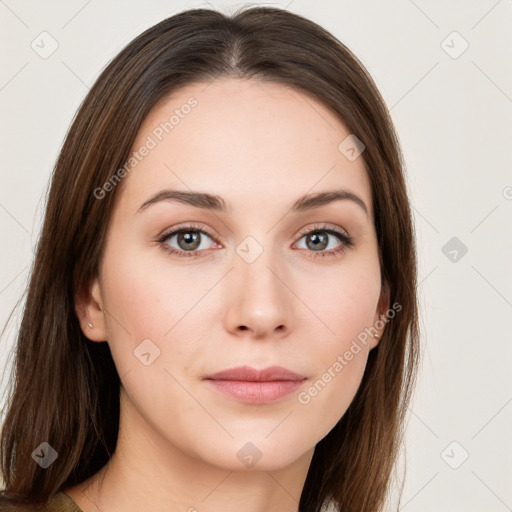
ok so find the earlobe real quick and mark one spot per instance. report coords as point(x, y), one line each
point(90, 313)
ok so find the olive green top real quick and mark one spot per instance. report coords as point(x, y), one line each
point(61, 502)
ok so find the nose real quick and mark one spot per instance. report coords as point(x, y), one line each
point(259, 301)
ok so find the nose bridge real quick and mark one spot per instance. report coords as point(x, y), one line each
point(256, 266)
point(258, 299)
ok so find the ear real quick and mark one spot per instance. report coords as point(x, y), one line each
point(91, 313)
point(379, 320)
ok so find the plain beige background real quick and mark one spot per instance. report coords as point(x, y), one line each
point(445, 71)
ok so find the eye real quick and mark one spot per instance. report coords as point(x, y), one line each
point(317, 240)
point(189, 241)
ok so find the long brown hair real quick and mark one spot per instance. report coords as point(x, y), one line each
point(65, 389)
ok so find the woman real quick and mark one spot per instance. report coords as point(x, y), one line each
point(222, 310)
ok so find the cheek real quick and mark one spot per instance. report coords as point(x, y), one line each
point(155, 334)
point(327, 397)
point(346, 304)
point(149, 298)
point(342, 301)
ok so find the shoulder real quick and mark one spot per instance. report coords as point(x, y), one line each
point(61, 502)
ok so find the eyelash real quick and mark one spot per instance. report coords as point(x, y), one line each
point(347, 241)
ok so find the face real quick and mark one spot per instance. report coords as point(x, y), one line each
point(254, 278)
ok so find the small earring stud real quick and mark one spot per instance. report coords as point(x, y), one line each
point(89, 325)
point(375, 335)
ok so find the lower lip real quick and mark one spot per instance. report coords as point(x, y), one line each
point(261, 392)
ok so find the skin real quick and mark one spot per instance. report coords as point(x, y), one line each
point(259, 146)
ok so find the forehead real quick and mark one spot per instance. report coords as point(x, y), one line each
point(245, 140)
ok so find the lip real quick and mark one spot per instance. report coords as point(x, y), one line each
point(247, 373)
point(252, 386)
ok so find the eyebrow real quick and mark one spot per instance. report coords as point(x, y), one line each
point(216, 203)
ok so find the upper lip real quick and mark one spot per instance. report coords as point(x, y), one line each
point(247, 373)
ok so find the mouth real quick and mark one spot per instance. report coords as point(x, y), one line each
point(251, 386)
